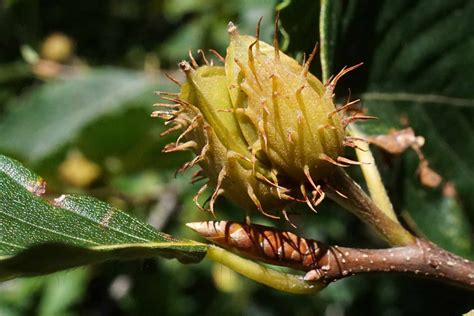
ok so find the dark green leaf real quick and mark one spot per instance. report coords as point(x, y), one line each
point(440, 218)
point(413, 76)
point(37, 236)
point(423, 79)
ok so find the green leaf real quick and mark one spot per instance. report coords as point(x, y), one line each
point(38, 237)
point(416, 76)
point(301, 26)
point(410, 74)
point(440, 218)
point(41, 122)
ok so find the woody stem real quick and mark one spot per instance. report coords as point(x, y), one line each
point(324, 263)
point(422, 258)
point(351, 196)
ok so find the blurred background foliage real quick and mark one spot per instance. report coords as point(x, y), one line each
point(76, 89)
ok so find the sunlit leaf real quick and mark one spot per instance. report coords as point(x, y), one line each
point(38, 236)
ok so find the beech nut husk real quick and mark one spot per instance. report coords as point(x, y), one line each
point(265, 131)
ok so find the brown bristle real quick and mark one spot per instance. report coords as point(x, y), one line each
point(219, 56)
point(170, 77)
point(200, 51)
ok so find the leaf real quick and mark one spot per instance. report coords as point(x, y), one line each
point(414, 78)
point(410, 75)
point(440, 217)
point(297, 23)
point(430, 74)
point(40, 123)
point(38, 237)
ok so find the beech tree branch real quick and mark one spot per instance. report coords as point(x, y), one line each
point(422, 259)
point(324, 263)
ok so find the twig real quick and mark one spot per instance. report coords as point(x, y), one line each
point(423, 259)
point(355, 200)
point(325, 264)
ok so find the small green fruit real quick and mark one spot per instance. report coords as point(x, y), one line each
point(265, 131)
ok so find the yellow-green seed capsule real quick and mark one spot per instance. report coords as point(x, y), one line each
point(284, 111)
point(214, 135)
point(264, 130)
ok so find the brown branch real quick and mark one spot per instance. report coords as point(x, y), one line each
point(330, 263)
point(423, 259)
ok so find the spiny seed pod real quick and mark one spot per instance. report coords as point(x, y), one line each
point(264, 130)
point(283, 111)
